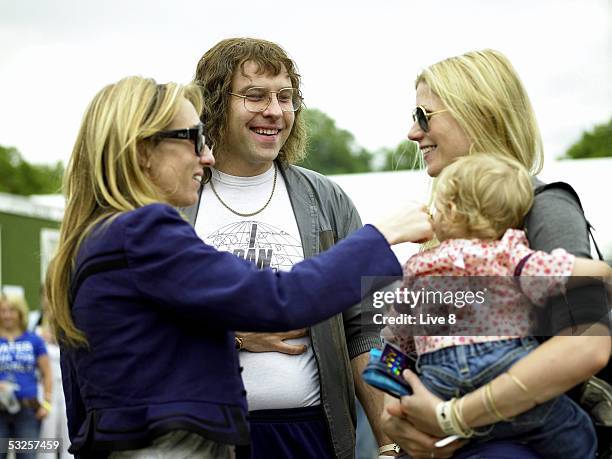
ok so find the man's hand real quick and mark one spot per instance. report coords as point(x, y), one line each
point(273, 342)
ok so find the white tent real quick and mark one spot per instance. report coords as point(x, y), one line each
point(377, 194)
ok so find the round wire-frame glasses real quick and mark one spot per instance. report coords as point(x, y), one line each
point(258, 99)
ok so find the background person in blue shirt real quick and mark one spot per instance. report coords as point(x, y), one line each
point(22, 353)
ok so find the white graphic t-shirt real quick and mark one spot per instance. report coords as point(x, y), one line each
point(270, 239)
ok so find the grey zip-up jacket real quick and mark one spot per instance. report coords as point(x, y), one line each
point(324, 215)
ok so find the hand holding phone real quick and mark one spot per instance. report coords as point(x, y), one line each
point(384, 371)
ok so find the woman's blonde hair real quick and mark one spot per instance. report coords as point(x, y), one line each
point(483, 92)
point(19, 304)
point(482, 195)
point(105, 175)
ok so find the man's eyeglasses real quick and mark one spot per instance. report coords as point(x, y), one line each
point(195, 134)
point(258, 99)
point(422, 116)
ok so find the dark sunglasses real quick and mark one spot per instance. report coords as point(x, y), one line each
point(195, 134)
point(422, 116)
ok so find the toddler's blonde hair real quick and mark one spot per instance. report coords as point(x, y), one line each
point(482, 195)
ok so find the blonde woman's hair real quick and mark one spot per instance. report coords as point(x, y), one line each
point(482, 195)
point(483, 92)
point(19, 304)
point(105, 175)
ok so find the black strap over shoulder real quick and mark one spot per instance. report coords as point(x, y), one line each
point(567, 187)
point(603, 431)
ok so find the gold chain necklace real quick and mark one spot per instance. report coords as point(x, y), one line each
point(250, 214)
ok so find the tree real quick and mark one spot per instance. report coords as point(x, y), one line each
point(332, 150)
point(17, 176)
point(405, 156)
point(596, 143)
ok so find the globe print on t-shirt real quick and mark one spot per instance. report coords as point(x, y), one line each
point(263, 244)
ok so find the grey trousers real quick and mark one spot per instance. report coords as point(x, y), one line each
point(179, 444)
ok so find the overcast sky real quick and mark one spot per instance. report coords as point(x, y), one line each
point(358, 59)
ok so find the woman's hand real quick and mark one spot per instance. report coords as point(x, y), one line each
point(420, 407)
point(417, 444)
point(412, 423)
point(411, 224)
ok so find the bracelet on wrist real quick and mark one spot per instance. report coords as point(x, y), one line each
point(463, 430)
point(459, 415)
point(489, 394)
point(444, 417)
point(519, 383)
point(451, 421)
point(239, 343)
point(46, 405)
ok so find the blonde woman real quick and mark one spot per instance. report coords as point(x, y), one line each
point(22, 355)
point(144, 310)
point(481, 202)
point(476, 103)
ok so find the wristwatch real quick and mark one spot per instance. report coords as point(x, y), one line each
point(238, 343)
